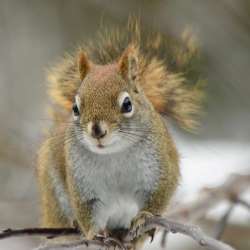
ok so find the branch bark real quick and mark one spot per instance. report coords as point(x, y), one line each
point(46, 232)
point(153, 223)
point(209, 197)
point(189, 230)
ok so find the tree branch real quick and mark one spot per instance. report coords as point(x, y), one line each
point(230, 190)
point(153, 223)
point(74, 245)
point(175, 227)
point(244, 204)
point(47, 232)
point(208, 198)
point(164, 239)
point(220, 227)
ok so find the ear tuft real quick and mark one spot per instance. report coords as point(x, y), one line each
point(83, 65)
point(128, 64)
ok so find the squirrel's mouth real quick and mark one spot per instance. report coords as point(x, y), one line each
point(107, 145)
point(100, 145)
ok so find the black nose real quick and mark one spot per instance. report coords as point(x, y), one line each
point(97, 131)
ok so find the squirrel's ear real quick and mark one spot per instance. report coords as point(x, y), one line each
point(128, 63)
point(83, 65)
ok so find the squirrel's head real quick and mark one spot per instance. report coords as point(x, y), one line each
point(109, 105)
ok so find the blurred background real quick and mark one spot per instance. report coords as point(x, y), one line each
point(34, 34)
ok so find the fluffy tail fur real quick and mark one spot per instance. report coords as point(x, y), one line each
point(169, 71)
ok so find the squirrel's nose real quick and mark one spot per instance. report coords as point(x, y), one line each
point(98, 131)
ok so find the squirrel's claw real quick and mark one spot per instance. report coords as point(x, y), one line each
point(113, 242)
point(102, 235)
point(105, 237)
point(151, 234)
point(139, 221)
point(75, 225)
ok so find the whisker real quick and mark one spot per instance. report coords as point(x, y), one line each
point(133, 135)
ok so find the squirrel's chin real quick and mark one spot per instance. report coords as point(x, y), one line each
point(103, 149)
point(110, 148)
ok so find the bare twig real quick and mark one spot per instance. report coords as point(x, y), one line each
point(152, 223)
point(208, 198)
point(164, 239)
point(47, 232)
point(219, 230)
point(174, 227)
point(74, 245)
point(230, 190)
point(234, 186)
point(244, 203)
point(220, 227)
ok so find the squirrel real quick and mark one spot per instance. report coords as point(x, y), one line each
point(109, 160)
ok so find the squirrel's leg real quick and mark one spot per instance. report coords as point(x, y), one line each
point(55, 206)
point(52, 215)
point(155, 206)
point(136, 224)
point(81, 211)
point(137, 244)
point(83, 216)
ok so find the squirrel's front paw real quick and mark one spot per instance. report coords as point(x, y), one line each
point(102, 234)
point(139, 221)
point(106, 237)
point(75, 225)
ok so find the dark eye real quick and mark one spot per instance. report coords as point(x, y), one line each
point(126, 105)
point(75, 110)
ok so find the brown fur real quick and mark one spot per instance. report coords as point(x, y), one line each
point(165, 70)
point(169, 71)
point(51, 214)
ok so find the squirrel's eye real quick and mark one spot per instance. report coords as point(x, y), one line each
point(125, 104)
point(76, 107)
point(75, 110)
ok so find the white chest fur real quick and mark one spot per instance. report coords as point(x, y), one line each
point(118, 185)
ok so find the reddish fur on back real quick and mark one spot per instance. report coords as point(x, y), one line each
point(169, 71)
